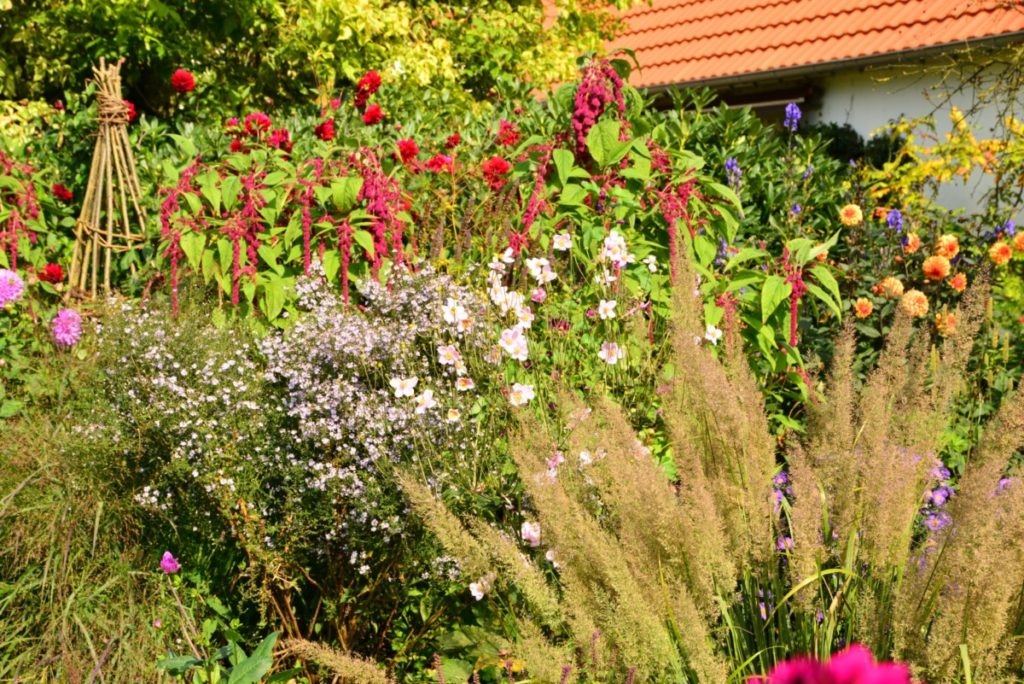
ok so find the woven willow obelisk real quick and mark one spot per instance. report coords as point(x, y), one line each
point(111, 207)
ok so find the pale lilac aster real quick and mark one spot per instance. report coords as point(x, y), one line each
point(11, 287)
point(531, 533)
point(67, 327)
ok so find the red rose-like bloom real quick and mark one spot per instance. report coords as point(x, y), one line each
point(281, 139)
point(256, 123)
point(441, 163)
point(183, 81)
point(508, 134)
point(373, 115)
point(408, 149)
point(131, 110)
point(452, 142)
point(494, 170)
point(51, 273)
point(369, 83)
point(237, 146)
point(325, 131)
point(62, 193)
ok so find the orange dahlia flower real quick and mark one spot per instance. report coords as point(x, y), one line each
point(1000, 253)
point(914, 303)
point(912, 243)
point(958, 282)
point(890, 287)
point(863, 307)
point(948, 246)
point(945, 324)
point(851, 215)
point(936, 268)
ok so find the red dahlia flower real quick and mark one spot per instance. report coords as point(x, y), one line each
point(373, 115)
point(325, 131)
point(369, 83)
point(453, 141)
point(62, 193)
point(508, 134)
point(257, 123)
point(408, 149)
point(281, 139)
point(441, 163)
point(183, 81)
point(131, 110)
point(51, 273)
point(494, 170)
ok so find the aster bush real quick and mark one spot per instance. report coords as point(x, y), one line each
point(276, 455)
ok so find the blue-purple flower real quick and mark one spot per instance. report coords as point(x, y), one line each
point(894, 219)
point(792, 119)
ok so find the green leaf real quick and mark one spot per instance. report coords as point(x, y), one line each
point(456, 670)
point(825, 277)
point(725, 192)
point(745, 254)
point(825, 297)
point(572, 195)
point(273, 297)
point(230, 188)
point(193, 243)
point(773, 292)
point(178, 665)
point(269, 254)
point(10, 407)
point(604, 145)
point(345, 193)
point(705, 248)
point(252, 669)
point(564, 161)
point(364, 240)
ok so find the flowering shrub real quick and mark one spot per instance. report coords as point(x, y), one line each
point(284, 447)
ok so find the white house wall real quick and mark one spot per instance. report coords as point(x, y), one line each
point(868, 100)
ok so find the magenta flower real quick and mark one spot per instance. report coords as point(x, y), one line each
point(67, 328)
point(169, 564)
point(854, 665)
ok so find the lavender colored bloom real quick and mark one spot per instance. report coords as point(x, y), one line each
point(169, 564)
point(784, 544)
point(733, 171)
point(764, 611)
point(937, 521)
point(1010, 228)
point(796, 209)
point(67, 327)
point(895, 220)
point(809, 171)
point(793, 115)
point(780, 479)
point(11, 287)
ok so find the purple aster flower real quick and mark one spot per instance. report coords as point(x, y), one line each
point(937, 521)
point(780, 479)
point(764, 611)
point(895, 220)
point(1010, 228)
point(777, 499)
point(169, 564)
point(67, 328)
point(784, 544)
point(792, 119)
point(11, 287)
point(796, 209)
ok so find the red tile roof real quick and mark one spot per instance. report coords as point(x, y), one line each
point(703, 41)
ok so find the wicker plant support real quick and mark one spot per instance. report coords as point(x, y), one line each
point(111, 209)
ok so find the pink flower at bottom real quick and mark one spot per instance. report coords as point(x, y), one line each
point(169, 564)
point(854, 665)
point(67, 328)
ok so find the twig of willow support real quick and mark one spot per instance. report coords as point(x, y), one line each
point(111, 208)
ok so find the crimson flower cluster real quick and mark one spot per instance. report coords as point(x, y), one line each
point(255, 127)
point(600, 86)
point(183, 81)
point(494, 170)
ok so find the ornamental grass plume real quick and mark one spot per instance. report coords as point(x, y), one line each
point(344, 667)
